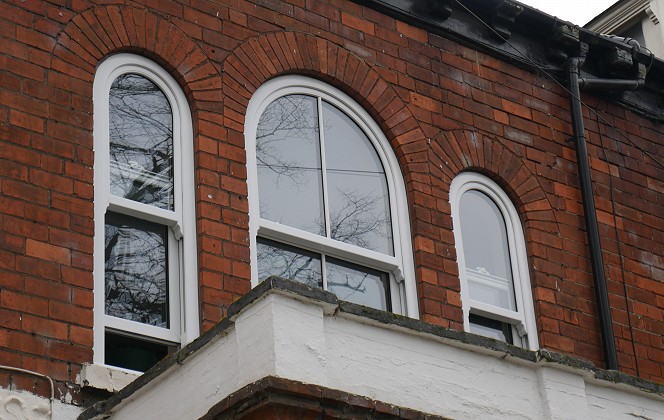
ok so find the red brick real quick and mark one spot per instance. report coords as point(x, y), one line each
point(412, 32)
point(80, 335)
point(47, 289)
point(358, 23)
point(10, 319)
point(45, 327)
point(26, 121)
point(47, 251)
point(12, 242)
point(70, 313)
point(77, 277)
point(26, 343)
point(35, 39)
point(23, 303)
point(83, 298)
point(69, 352)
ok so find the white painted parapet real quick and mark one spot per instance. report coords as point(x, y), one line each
point(288, 331)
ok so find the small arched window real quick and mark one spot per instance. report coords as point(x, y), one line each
point(146, 300)
point(327, 200)
point(495, 284)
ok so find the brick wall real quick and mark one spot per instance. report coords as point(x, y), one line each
point(444, 107)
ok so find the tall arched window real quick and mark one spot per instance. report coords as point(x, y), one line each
point(493, 267)
point(327, 200)
point(146, 299)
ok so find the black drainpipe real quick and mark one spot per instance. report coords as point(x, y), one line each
point(599, 278)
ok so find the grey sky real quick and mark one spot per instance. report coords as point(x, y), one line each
point(576, 11)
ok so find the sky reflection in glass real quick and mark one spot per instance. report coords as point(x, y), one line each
point(357, 187)
point(486, 250)
point(289, 168)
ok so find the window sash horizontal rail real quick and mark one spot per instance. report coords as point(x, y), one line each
point(495, 312)
point(340, 250)
point(142, 211)
point(167, 334)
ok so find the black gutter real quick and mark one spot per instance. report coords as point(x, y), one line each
point(590, 215)
point(610, 84)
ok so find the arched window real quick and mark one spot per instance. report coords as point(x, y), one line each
point(327, 200)
point(493, 268)
point(146, 299)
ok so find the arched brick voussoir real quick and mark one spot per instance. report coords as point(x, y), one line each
point(460, 150)
point(103, 30)
point(266, 56)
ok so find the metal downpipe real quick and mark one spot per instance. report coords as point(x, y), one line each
point(590, 216)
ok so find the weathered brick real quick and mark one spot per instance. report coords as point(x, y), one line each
point(444, 107)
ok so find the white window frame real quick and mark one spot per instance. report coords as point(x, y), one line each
point(182, 256)
point(524, 327)
point(400, 267)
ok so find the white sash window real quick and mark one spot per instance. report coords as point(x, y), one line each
point(327, 199)
point(493, 267)
point(146, 300)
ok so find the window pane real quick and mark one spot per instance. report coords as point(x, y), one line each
point(141, 142)
point(136, 270)
point(486, 251)
point(134, 353)
point(491, 328)
point(357, 284)
point(289, 169)
point(357, 186)
point(288, 262)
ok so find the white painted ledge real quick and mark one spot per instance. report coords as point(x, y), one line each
point(106, 378)
point(281, 333)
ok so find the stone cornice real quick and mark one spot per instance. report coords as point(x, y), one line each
point(617, 16)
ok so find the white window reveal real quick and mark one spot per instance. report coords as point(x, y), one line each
point(327, 199)
point(146, 300)
point(495, 284)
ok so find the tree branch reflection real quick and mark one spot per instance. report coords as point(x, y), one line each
point(136, 270)
point(291, 179)
point(141, 141)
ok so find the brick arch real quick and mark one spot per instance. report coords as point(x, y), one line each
point(461, 150)
point(269, 55)
point(97, 32)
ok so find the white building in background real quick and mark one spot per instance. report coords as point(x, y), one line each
point(638, 19)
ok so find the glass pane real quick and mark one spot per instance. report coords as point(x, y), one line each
point(136, 270)
point(134, 353)
point(486, 251)
point(357, 284)
point(141, 142)
point(289, 169)
point(490, 328)
point(284, 261)
point(357, 187)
